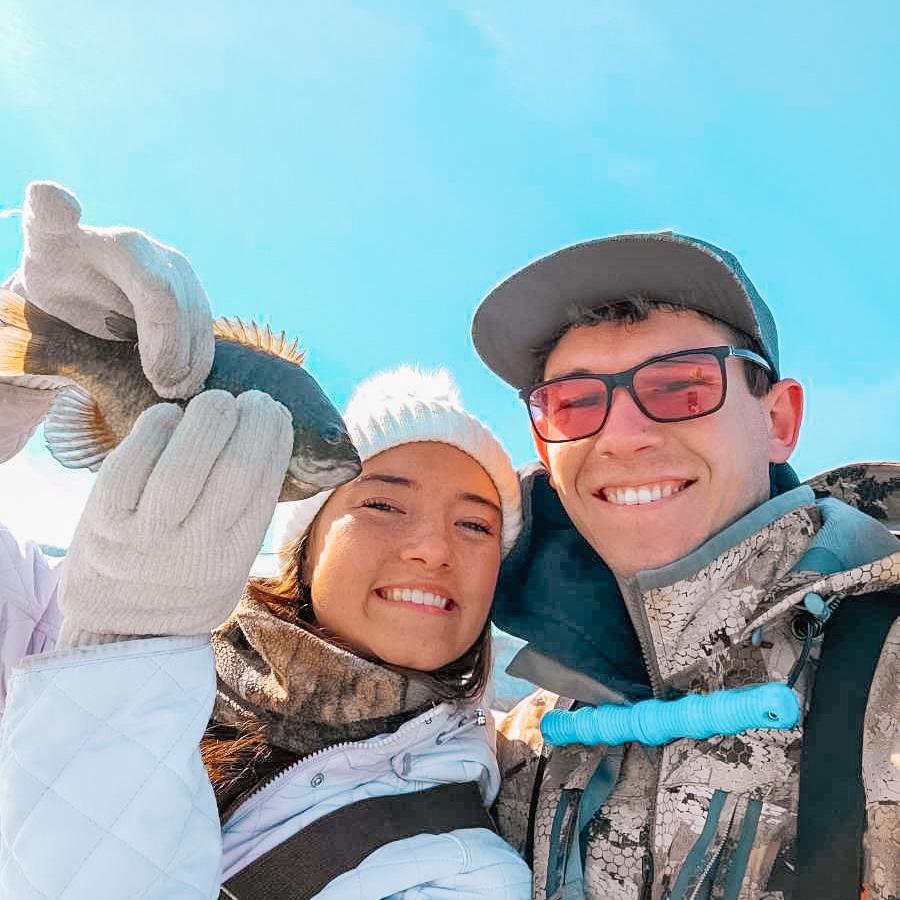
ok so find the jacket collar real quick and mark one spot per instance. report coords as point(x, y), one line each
point(305, 692)
point(698, 606)
point(673, 615)
point(555, 592)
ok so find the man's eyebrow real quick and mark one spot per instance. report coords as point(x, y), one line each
point(388, 479)
point(579, 371)
point(477, 498)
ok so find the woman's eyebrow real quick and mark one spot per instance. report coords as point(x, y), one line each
point(410, 483)
point(477, 498)
point(388, 479)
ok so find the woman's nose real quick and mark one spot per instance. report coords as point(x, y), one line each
point(429, 543)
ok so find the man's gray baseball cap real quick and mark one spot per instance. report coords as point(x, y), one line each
point(524, 312)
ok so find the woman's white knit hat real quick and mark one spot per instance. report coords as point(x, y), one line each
point(403, 406)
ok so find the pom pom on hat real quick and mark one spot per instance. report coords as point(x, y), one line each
point(405, 384)
point(403, 406)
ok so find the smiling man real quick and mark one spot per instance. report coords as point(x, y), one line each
point(643, 491)
point(669, 550)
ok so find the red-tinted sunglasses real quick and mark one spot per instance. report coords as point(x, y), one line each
point(674, 387)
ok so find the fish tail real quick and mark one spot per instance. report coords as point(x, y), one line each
point(29, 337)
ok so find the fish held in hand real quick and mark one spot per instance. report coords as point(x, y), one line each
point(106, 389)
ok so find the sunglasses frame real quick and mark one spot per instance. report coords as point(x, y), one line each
point(626, 380)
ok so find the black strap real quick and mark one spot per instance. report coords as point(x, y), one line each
point(301, 866)
point(832, 811)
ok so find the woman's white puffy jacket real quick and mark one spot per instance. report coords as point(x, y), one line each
point(103, 793)
point(29, 616)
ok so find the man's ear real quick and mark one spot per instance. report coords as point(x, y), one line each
point(541, 447)
point(784, 411)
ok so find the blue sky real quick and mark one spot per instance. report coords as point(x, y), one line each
point(361, 174)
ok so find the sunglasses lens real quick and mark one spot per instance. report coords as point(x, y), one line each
point(568, 410)
point(681, 387)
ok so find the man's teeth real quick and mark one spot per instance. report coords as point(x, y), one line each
point(408, 595)
point(646, 493)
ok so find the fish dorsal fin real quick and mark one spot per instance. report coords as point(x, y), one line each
point(251, 335)
point(78, 435)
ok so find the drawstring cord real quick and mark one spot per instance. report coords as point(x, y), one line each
point(808, 625)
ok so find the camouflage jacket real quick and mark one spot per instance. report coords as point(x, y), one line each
point(714, 818)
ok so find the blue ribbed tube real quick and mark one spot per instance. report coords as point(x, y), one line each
point(657, 722)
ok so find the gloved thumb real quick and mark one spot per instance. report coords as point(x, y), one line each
point(49, 209)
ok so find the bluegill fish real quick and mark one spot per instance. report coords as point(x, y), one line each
point(106, 389)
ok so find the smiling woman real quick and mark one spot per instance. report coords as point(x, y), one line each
point(353, 677)
point(402, 562)
point(386, 586)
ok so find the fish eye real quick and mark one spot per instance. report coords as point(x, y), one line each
point(332, 434)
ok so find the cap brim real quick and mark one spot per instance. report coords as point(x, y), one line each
point(526, 310)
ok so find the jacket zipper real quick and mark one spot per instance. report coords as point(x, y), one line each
point(631, 596)
point(647, 865)
point(714, 858)
point(638, 615)
point(477, 718)
point(708, 868)
point(647, 874)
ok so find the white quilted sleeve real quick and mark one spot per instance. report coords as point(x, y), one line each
point(467, 864)
point(29, 615)
point(102, 791)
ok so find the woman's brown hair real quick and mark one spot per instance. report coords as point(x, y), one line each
point(233, 756)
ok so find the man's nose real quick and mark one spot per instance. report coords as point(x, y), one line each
point(429, 543)
point(627, 429)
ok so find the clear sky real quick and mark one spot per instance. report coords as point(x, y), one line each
point(361, 174)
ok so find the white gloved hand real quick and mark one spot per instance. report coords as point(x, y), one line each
point(175, 520)
point(81, 275)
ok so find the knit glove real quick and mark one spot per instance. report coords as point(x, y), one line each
point(81, 275)
point(175, 519)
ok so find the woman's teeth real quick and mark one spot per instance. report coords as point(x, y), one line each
point(408, 595)
point(646, 493)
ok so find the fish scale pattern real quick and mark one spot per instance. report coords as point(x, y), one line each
point(108, 837)
point(700, 631)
